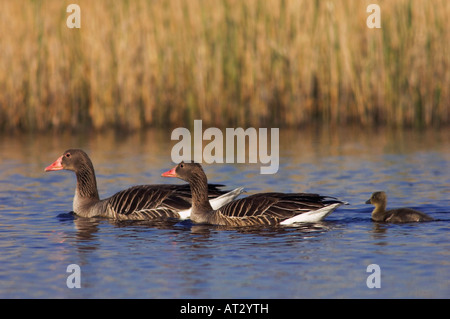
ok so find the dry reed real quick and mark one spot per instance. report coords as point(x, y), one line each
point(136, 64)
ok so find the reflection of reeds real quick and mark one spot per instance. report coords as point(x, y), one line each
point(256, 62)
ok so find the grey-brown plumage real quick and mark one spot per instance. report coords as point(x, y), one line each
point(398, 215)
point(258, 209)
point(143, 202)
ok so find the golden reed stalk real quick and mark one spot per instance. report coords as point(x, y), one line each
point(136, 64)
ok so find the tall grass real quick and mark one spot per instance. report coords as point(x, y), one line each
point(135, 64)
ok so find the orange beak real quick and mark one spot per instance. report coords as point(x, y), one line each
point(170, 173)
point(56, 166)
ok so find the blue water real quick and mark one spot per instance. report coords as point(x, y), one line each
point(39, 237)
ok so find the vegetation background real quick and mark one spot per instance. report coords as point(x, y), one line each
point(138, 64)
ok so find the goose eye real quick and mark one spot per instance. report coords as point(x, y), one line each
point(181, 165)
point(68, 155)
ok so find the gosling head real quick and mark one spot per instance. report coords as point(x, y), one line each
point(377, 198)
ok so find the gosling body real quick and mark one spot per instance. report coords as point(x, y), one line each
point(398, 215)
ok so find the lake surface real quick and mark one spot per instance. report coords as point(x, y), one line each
point(39, 238)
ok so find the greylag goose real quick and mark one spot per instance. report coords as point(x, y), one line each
point(143, 202)
point(398, 215)
point(258, 209)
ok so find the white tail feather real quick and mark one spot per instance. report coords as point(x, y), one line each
point(216, 203)
point(312, 216)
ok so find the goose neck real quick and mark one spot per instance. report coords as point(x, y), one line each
point(86, 183)
point(199, 190)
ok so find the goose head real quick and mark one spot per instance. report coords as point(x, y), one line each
point(72, 160)
point(186, 171)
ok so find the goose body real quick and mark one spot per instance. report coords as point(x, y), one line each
point(258, 209)
point(398, 215)
point(142, 202)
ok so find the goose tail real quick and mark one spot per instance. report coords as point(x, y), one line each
point(217, 202)
point(312, 216)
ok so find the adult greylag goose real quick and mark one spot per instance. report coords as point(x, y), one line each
point(398, 215)
point(257, 209)
point(143, 202)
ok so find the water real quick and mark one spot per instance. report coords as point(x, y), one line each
point(39, 237)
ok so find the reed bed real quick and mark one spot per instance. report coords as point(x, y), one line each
point(136, 64)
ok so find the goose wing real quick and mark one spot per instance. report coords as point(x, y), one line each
point(275, 205)
point(147, 197)
point(155, 201)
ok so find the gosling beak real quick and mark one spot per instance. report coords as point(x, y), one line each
point(368, 201)
point(56, 166)
point(170, 173)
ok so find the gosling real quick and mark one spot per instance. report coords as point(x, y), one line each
point(399, 215)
